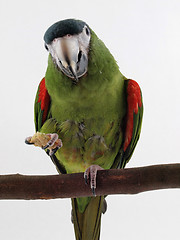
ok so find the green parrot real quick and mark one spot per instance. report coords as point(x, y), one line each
point(87, 114)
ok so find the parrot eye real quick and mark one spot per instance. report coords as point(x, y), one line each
point(87, 31)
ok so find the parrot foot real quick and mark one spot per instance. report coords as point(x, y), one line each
point(49, 141)
point(91, 174)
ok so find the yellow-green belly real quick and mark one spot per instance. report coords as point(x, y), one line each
point(84, 146)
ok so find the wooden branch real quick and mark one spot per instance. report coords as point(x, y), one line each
point(126, 181)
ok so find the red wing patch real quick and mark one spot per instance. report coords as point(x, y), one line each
point(43, 99)
point(134, 102)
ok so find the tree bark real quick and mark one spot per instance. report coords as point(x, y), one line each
point(123, 181)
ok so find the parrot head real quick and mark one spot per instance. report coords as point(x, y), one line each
point(68, 44)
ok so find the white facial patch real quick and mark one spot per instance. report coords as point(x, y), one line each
point(70, 53)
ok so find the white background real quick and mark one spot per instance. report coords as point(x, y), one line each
point(144, 37)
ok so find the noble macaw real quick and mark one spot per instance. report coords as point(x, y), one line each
point(87, 114)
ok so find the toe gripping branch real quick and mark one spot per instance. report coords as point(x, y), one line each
point(90, 176)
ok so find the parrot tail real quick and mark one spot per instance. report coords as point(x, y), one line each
point(87, 224)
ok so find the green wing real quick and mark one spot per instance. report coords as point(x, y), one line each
point(43, 120)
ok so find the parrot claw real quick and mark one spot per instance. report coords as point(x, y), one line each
point(45, 147)
point(50, 141)
point(53, 151)
point(93, 191)
point(86, 178)
point(91, 174)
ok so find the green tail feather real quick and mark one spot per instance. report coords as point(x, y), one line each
point(87, 224)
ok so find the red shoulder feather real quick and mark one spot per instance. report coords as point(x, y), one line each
point(43, 99)
point(134, 102)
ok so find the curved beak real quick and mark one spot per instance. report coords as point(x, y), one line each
point(69, 56)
